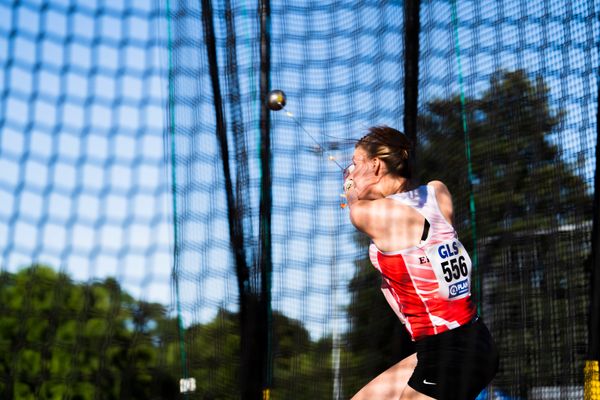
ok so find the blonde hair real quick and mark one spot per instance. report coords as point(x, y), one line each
point(391, 146)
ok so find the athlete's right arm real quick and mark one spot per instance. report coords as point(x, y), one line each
point(371, 216)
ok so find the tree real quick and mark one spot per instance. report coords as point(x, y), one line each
point(298, 360)
point(213, 353)
point(517, 166)
point(62, 339)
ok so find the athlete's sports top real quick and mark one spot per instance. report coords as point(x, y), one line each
point(428, 285)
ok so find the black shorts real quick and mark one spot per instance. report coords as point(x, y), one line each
point(456, 364)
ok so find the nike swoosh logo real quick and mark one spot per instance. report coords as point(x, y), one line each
point(428, 383)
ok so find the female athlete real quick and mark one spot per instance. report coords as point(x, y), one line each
point(425, 274)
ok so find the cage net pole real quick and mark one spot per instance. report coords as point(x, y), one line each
point(467, 144)
point(176, 243)
point(412, 28)
point(265, 212)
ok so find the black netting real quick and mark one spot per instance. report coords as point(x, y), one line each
point(158, 223)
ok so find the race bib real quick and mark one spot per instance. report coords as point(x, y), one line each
point(452, 267)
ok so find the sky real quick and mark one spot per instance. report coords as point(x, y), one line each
point(85, 183)
point(84, 186)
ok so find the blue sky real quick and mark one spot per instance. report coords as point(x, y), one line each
point(84, 187)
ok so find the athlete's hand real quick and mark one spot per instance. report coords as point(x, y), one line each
point(348, 184)
point(361, 184)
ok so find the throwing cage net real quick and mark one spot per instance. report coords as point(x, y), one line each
point(158, 223)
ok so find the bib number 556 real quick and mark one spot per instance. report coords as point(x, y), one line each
point(455, 268)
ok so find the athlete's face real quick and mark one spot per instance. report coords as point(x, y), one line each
point(362, 173)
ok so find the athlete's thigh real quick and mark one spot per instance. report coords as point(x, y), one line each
point(411, 394)
point(389, 384)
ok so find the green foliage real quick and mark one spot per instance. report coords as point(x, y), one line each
point(65, 340)
point(214, 354)
point(298, 361)
point(82, 341)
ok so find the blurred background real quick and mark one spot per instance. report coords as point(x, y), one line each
point(158, 222)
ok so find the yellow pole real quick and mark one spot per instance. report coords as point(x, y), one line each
point(591, 387)
point(267, 392)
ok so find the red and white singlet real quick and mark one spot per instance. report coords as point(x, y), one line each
point(428, 285)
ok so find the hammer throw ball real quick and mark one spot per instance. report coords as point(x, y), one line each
point(276, 100)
